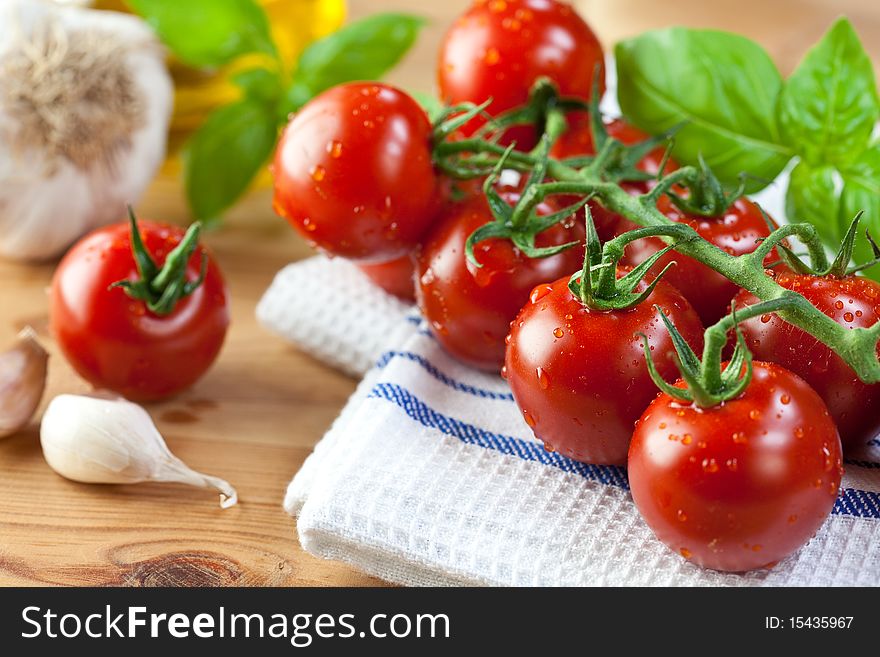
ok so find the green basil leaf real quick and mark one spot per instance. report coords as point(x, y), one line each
point(861, 192)
point(364, 50)
point(259, 84)
point(829, 105)
point(812, 197)
point(722, 85)
point(207, 33)
point(225, 154)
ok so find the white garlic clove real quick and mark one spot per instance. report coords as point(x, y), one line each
point(101, 440)
point(22, 381)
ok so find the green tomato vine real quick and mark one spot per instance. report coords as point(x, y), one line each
point(598, 178)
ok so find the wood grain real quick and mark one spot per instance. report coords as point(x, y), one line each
point(257, 414)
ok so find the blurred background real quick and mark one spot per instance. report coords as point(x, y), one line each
point(784, 27)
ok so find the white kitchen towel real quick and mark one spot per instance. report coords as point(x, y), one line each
point(430, 477)
point(333, 312)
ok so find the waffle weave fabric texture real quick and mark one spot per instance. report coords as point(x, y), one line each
point(332, 311)
point(430, 477)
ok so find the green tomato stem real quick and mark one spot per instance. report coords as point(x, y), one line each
point(857, 347)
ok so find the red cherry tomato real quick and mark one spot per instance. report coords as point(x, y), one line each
point(353, 172)
point(578, 141)
point(470, 309)
point(736, 232)
point(395, 277)
point(853, 302)
point(498, 48)
point(741, 485)
point(114, 341)
point(579, 375)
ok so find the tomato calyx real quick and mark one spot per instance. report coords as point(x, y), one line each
point(160, 288)
point(707, 197)
point(707, 383)
point(618, 162)
point(521, 224)
point(598, 286)
point(840, 267)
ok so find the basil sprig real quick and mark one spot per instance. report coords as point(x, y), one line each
point(742, 117)
point(236, 141)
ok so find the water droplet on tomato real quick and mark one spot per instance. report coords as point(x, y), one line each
point(497, 6)
point(528, 418)
point(838, 304)
point(686, 439)
point(661, 426)
point(318, 173)
point(765, 318)
point(754, 413)
point(756, 548)
point(539, 293)
point(739, 438)
point(731, 464)
point(334, 148)
point(848, 316)
point(504, 371)
point(685, 553)
point(543, 379)
point(549, 448)
point(799, 432)
point(558, 332)
point(785, 399)
point(710, 466)
point(309, 225)
point(492, 56)
point(682, 516)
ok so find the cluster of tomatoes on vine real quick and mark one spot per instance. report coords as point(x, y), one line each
point(733, 468)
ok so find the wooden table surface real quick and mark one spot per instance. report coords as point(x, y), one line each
point(257, 414)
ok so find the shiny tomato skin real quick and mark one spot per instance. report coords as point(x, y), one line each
point(742, 485)
point(353, 172)
point(498, 48)
point(735, 232)
point(469, 309)
point(395, 277)
point(113, 341)
point(579, 375)
point(853, 302)
point(578, 141)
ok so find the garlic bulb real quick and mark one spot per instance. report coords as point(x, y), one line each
point(104, 440)
point(85, 101)
point(22, 381)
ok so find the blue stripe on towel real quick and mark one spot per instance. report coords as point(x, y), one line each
point(444, 378)
point(851, 502)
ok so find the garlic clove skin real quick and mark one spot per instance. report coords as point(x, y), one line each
point(67, 163)
point(22, 382)
point(100, 440)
